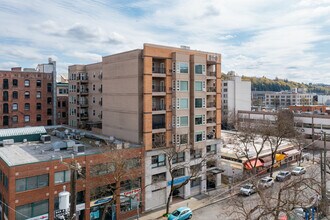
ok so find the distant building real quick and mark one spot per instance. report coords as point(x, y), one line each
point(315, 109)
point(236, 95)
point(323, 100)
point(28, 96)
point(62, 103)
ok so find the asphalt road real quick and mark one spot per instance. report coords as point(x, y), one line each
point(226, 210)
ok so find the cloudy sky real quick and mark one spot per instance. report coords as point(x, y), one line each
point(284, 38)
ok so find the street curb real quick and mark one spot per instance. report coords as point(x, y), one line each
point(215, 201)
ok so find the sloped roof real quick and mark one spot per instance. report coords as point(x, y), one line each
point(22, 131)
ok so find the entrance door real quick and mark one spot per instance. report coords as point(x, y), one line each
point(211, 181)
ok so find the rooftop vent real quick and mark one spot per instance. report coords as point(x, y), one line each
point(185, 47)
point(45, 138)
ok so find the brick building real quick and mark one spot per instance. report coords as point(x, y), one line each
point(33, 174)
point(27, 96)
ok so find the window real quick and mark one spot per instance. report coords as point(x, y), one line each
point(93, 87)
point(183, 103)
point(32, 210)
point(158, 177)
point(199, 136)
point(102, 169)
point(49, 87)
point(26, 118)
point(225, 84)
point(183, 121)
point(27, 106)
point(62, 177)
point(5, 120)
point(199, 69)
point(49, 100)
point(15, 95)
point(5, 84)
point(93, 99)
point(194, 169)
point(199, 102)
point(38, 117)
point(63, 104)
point(178, 172)
point(178, 157)
point(27, 95)
point(30, 183)
point(183, 86)
point(211, 149)
point(49, 111)
point(183, 138)
point(15, 119)
point(38, 106)
point(38, 83)
point(199, 119)
point(63, 114)
point(38, 95)
point(158, 161)
point(26, 83)
point(199, 85)
point(15, 82)
point(5, 96)
point(93, 112)
point(225, 90)
point(195, 182)
point(195, 154)
point(183, 67)
point(59, 104)
point(15, 106)
point(5, 108)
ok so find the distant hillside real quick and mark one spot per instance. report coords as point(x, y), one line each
point(266, 84)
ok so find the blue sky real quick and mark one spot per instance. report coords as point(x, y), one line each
point(283, 38)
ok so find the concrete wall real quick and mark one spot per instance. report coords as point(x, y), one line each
point(122, 96)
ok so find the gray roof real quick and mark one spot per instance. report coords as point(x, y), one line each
point(22, 131)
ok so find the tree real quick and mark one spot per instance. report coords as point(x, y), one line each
point(177, 165)
point(120, 170)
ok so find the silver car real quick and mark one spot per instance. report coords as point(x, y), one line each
point(266, 182)
point(298, 171)
point(248, 189)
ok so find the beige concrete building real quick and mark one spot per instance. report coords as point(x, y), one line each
point(158, 96)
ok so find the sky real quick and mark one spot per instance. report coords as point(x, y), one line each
point(288, 39)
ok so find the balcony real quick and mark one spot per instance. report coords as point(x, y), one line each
point(158, 140)
point(83, 104)
point(211, 74)
point(211, 89)
point(211, 120)
point(158, 125)
point(82, 79)
point(82, 91)
point(158, 89)
point(159, 70)
point(83, 115)
point(158, 108)
point(210, 105)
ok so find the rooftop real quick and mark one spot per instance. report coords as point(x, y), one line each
point(20, 153)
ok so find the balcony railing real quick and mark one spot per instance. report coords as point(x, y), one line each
point(83, 115)
point(212, 74)
point(211, 105)
point(82, 103)
point(82, 78)
point(211, 89)
point(210, 136)
point(158, 88)
point(158, 107)
point(158, 125)
point(211, 120)
point(158, 144)
point(158, 70)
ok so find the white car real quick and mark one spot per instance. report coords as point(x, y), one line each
point(266, 182)
point(298, 171)
point(247, 189)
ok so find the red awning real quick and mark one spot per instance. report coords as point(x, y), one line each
point(248, 164)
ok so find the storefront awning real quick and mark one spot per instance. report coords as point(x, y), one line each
point(267, 160)
point(215, 171)
point(248, 165)
point(291, 153)
point(280, 157)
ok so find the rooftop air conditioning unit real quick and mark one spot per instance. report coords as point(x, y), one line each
point(79, 149)
point(8, 142)
point(45, 138)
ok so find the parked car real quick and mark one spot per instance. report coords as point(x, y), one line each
point(298, 171)
point(181, 213)
point(248, 189)
point(283, 175)
point(266, 182)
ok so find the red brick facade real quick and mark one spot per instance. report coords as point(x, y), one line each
point(26, 98)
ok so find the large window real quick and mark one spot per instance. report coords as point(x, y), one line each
point(15, 82)
point(38, 95)
point(5, 96)
point(195, 154)
point(199, 102)
point(62, 177)
point(15, 106)
point(26, 83)
point(26, 118)
point(183, 67)
point(49, 87)
point(32, 210)
point(27, 106)
point(183, 138)
point(183, 86)
point(158, 177)
point(15, 95)
point(199, 85)
point(38, 117)
point(38, 106)
point(183, 121)
point(27, 95)
point(199, 69)
point(102, 169)
point(184, 103)
point(178, 157)
point(5, 84)
point(199, 136)
point(158, 161)
point(178, 172)
point(15, 119)
point(38, 83)
point(195, 182)
point(211, 149)
point(199, 119)
point(30, 183)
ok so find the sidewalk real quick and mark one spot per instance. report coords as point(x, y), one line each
point(194, 203)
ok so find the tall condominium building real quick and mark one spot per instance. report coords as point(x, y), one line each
point(159, 97)
point(62, 98)
point(236, 95)
point(28, 96)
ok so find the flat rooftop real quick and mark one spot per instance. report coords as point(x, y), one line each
point(21, 153)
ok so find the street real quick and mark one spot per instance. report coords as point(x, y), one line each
point(230, 209)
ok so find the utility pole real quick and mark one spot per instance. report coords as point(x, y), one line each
point(323, 161)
